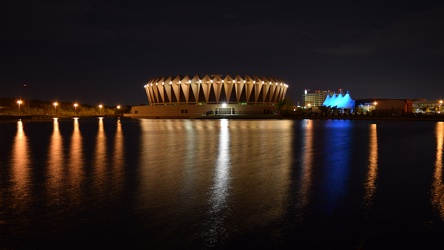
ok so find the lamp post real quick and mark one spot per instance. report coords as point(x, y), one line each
point(75, 108)
point(55, 107)
point(118, 112)
point(19, 102)
point(100, 109)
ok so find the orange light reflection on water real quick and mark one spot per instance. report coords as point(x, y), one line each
point(55, 163)
point(20, 167)
point(118, 158)
point(100, 158)
point(76, 161)
point(306, 167)
point(437, 185)
point(372, 173)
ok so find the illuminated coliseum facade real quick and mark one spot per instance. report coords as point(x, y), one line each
point(185, 96)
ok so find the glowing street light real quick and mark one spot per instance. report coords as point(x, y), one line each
point(19, 102)
point(118, 111)
point(100, 109)
point(75, 108)
point(55, 107)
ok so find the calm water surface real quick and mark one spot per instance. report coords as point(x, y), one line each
point(211, 184)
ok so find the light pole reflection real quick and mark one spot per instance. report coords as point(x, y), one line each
point(55, 163)
point(20, 168)
point(372, 173)
point(119, 157)
point(437, 185)
point(307, 162)
point(100, 157)
point(76, 162)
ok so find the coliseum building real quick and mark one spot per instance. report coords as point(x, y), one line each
point(184, 96)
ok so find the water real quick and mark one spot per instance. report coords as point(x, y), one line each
point(221, 184)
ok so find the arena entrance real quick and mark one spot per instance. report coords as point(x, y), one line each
point(224, 111)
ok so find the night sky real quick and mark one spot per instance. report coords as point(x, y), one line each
point(105, 51)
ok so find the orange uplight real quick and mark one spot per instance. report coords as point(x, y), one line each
point(75, 108)
point(19, 102)
point(55, 107)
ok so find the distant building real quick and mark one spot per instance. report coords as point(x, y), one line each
point(339, 101)
point(424, 106)
point(391, 107)
point(184, 96)
point(314, 99)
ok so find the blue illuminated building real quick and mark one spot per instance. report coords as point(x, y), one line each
point(339, 101)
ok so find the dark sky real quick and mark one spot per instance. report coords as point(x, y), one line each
point(105, 51)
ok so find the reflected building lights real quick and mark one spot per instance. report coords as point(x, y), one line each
point(372, 173)
point(221, 180)
point(189, 179)
point(222, 168)
point(337, 165)
point(307, 161)
point(438, 185)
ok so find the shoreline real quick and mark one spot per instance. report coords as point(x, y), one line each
point(420, 117)
point(345, 117)
point(48, 117)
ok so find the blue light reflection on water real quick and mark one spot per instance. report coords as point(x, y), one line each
point(336, 161)
point(219, 183)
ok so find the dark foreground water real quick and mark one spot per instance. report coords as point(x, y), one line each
point(209, 184)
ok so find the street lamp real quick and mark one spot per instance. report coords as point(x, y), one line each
point(75, 108)
point(55, 107)
point(118, 111)
point(19, 102)
point(100, 109)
